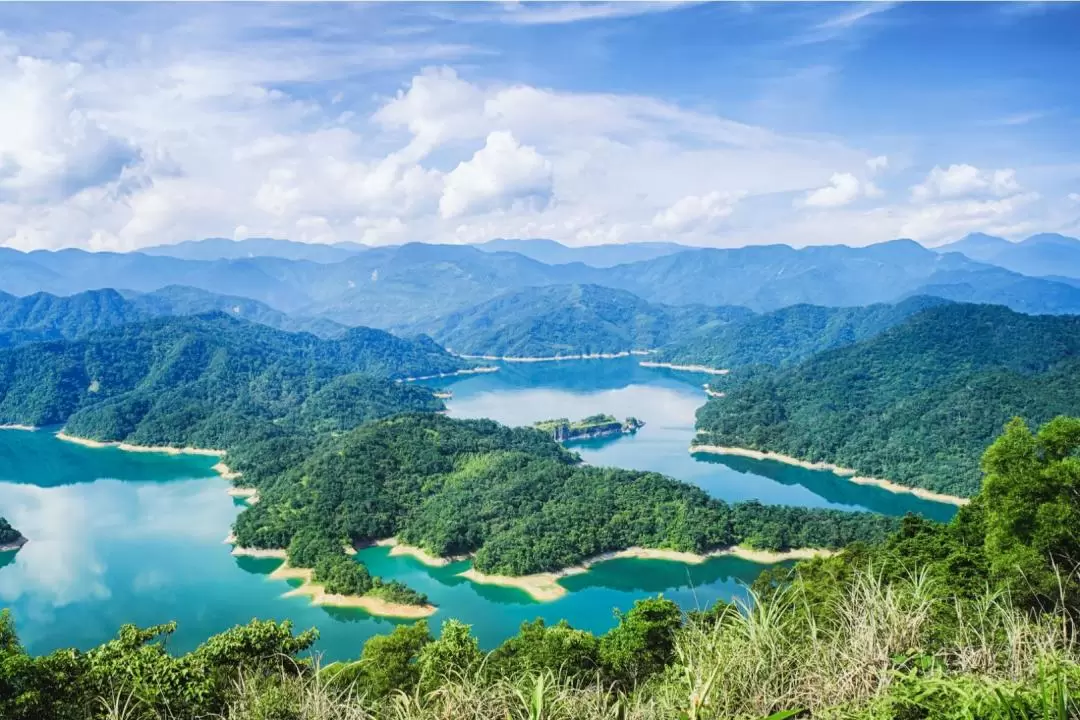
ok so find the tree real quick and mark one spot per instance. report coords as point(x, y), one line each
point(455, 654)
point(388, 662)
point(643, 642)
point(1031, 495)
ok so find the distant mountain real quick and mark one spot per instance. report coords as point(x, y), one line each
point(391, 287)
point(600, 256)
point(572, 320)
point(790, 335)
point(1039, 255)
point(916, 404)
point(42, 316)
point(773, 276)
point(203, 380)
point(226, 249)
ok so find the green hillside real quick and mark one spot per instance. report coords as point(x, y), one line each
point(572, 320)
point(210, 380)
point(916, 404)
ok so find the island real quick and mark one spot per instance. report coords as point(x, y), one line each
point(594, 426)
point(10, 538)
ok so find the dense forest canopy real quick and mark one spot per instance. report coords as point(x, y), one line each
point(789, 335)
point(572, 320)
point(512, 496)
point(210, 381)
point(916, 404)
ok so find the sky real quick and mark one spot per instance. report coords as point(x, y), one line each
point(726, 124)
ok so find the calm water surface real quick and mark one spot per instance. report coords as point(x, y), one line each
point(137, 538)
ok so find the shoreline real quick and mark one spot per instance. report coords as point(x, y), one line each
point(18, 426)
point(398, 549)
point(128, 447)
point(545, 586)
point(465, 371)
point(317, 593)
point(685, 368)
point(559, 358)
point(846, 473)
point(249, 495)
point(712, 393)
point(15, 546)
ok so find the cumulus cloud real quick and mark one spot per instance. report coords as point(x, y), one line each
point(962, 180)
point(499, 174)
point(843, 189)
point(696, 210)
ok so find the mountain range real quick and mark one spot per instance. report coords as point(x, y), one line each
point(407, 285)
point(1046, 254)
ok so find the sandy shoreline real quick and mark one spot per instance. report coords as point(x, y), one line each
point(558, 358)
point(545, 587)
point(18, 426)
point(223, 470)
point(249, 494)
point(846, 473)
point(128, 447)
point(12, 547)
point(466, 371)
point(712, 393)
point(685, 368)
point(398, 549)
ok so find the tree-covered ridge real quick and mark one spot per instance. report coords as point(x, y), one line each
point(789, 335)
point(213, 381)
point(42, 316)
point(916, 404)
point(572, 320)
point(8, 534)
point(512, 496)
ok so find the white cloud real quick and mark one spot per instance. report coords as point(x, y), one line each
point(843, 189)
point(696, 211)
point(876, 164)
point(500, 173)
point(965, 180)
point(1074, 197)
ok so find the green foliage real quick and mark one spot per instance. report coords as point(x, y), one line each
point(1031, 496)
point(516, 498)
point(8, 534)
point(454, 655)
point(212, 381)
point(389, 662)
point(916, 404)
point(789, 335)
point(643, 642)
point(134, 671)
point(571, 320)
point(558, 649)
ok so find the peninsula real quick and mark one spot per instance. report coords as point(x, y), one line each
point(593, 426)
point(10, 538)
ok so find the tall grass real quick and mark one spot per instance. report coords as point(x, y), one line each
point(876, 650)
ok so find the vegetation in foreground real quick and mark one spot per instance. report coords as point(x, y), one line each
point(971, 620)
point(916, 404)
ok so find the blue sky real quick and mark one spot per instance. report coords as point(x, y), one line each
point(711, 124)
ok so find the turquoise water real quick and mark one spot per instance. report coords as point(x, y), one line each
point(127, 537)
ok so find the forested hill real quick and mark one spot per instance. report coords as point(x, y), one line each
point(9, 536)
point(212, 380)
point(789, 335)
point(916, 404)
point(42, 316)
point(512, 495)
point(572, 320)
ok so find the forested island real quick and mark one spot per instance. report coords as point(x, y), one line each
point(511, 497)
point(594, 426)
point(10, 538)
point(915, 404)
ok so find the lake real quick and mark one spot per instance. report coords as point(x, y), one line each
point(119, 537)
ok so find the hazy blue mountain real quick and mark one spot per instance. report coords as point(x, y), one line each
point(601, 256)
point(43, 316)
point(572, 320)
point(769, 277)
point(790, 335)
point(226, 249)
point(1039, 255)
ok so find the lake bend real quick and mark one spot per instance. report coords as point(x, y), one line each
point(119, 537)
